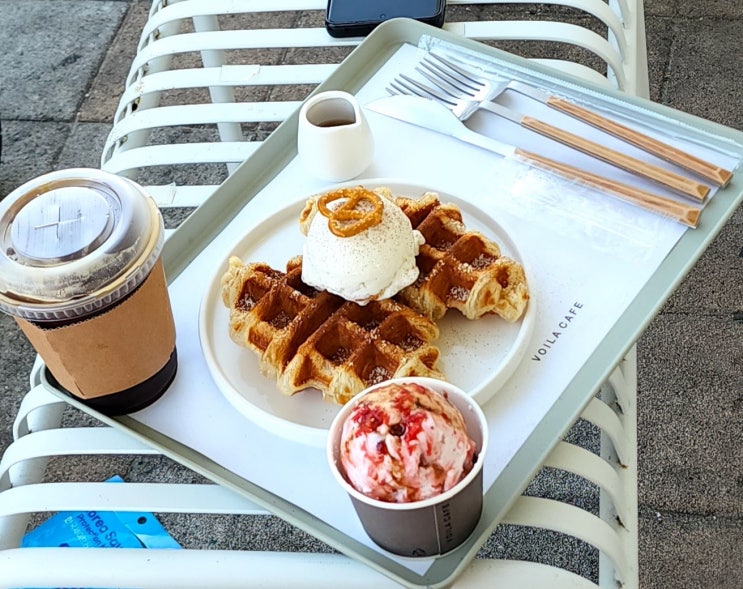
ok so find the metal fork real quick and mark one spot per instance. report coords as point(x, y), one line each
point(459, 98)
point(480, 88)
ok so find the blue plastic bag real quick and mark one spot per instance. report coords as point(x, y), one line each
point(101, 529)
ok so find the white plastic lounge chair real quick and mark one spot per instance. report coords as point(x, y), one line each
point(211, 68)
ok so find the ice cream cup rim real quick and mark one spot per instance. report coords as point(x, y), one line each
point(429, 382)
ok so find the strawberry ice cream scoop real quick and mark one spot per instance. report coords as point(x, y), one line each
point(404, 443)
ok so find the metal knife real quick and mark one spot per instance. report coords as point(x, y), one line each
point(431, 115)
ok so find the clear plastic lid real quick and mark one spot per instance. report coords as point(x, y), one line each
point(74, 242)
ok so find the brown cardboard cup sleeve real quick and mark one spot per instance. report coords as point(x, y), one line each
point(114, 350)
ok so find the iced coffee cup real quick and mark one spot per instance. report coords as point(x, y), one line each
point(81, 272)
point(409, 452)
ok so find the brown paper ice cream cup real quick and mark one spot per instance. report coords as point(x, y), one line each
point(433, 526)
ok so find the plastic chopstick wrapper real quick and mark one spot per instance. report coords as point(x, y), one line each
point(686, 214)
point(572, 209)
point(695, 145)
point(650, 134)
point(433, 115)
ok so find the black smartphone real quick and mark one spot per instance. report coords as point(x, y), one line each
point(357, 18)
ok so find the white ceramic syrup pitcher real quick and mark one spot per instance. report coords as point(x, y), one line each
point(334, 140)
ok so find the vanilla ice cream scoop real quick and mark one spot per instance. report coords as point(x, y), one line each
point(375, 263)
point(405, 442)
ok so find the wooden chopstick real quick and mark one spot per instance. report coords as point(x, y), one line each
point(674, 181)
point(715, 174)
point(683, 213)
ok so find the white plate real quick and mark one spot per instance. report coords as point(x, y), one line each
point(478, 356)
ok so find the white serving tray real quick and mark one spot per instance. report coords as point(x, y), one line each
point(599, 272)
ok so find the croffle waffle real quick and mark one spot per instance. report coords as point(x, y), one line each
point(309, 338)
point(459, 268)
